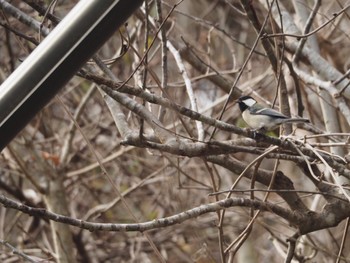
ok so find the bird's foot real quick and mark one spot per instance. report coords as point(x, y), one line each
point(256, 134)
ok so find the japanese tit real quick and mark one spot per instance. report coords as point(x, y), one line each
point(260, 118)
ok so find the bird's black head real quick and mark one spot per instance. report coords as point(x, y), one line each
point(245, 102)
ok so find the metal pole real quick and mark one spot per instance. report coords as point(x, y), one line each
point(52, 64)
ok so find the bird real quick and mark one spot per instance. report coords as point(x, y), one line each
point(261, 118)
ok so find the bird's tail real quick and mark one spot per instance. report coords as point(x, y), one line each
point(297, 120)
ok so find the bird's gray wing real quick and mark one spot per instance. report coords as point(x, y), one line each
point(267, 111)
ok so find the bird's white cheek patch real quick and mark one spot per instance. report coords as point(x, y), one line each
point(249, 102)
